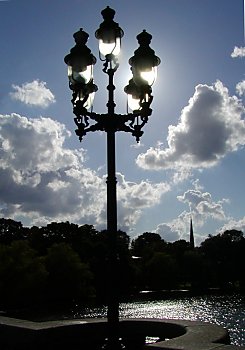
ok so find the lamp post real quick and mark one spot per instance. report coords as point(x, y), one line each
point(143, 64)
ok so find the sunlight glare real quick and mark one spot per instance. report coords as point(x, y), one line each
point(110, 48)
point(149, 76)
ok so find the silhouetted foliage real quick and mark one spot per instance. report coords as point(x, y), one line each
point(22, 274)
point(101, 260)
point(161, 272)
point(10, 231)
point(67, 273)
point(224, 254)
point(147, 244)
point(62, 262)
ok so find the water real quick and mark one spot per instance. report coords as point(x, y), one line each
point(226, 311)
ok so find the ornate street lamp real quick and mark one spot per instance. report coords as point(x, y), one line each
point(80, 63)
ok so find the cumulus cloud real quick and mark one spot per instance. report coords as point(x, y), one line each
point(168, 232)
point(240, 88)
point(233, 225)
point(40, 178)
point(134, 197)
point(34, 93)
point(43, 181)
point(179, 228)
point(210, 127)
point(140, 195)
point(238, 52)
point(200, 207)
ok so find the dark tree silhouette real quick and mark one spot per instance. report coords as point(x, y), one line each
point(146, 244)
point(10, 231)
point(225, 256)
point(69, 278)
point(161, 272)
point(65, 261)
point(23, 275)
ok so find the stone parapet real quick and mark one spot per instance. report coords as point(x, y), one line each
point(91, 333)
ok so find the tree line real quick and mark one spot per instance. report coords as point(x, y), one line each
point(63, 262)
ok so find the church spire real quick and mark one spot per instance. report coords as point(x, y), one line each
point(192, 244)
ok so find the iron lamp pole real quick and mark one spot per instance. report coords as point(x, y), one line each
point(143, 64)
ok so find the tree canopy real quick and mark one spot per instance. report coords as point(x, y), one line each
point(65, 262)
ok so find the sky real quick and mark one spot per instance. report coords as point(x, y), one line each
point(191, 159)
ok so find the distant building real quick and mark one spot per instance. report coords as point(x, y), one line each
point(192, 243)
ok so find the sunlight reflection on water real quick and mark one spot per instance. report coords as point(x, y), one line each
point(227, 311)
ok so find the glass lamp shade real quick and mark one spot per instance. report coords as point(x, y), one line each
point(136, 95)
point(80, 75)
point(110, 47)
point(143, 74)
point(144, 62)
point(80, 60)
point(133, 102)
point(89, 102)
point(149, 76)
point(109, 34)
point(84, 94)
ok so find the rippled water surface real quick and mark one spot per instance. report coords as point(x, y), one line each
point(227, 311)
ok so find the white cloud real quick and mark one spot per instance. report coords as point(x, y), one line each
point(240, 88)
point(179, 228)
point(41, 180)
point(34, 93)
point(210, 127)
point(133, 198)
point(233, 225)
point(238, 52)
point(201, 207)
point(168, 232)
point(140, 195)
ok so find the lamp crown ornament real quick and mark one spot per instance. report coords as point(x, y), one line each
point(80, 37)
point(80, 52)
point(108, 13)
point(109, 31)
point(144, 38)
